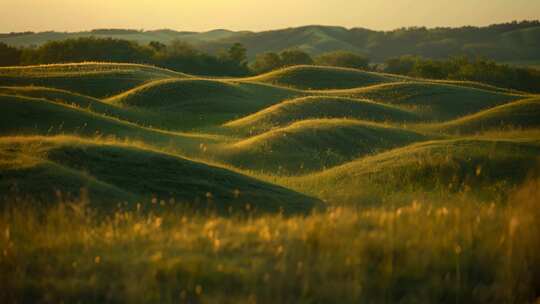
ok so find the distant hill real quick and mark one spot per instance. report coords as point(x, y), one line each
point(502, 42)
point(26, 39)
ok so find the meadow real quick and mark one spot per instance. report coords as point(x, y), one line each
point(308, 184)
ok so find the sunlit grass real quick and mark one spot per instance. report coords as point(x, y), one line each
point(428, 252)
point(407, 217)
point(321, 77)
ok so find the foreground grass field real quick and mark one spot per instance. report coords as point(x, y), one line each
point(459, 251)
point(129, 183)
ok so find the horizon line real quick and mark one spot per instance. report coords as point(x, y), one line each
point(274, 29)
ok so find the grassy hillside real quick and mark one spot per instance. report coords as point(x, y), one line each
point(92, 79)
point(41, 166)
point(319, 77)
point(485, 166)
point(67, 98)
point(163, 36)
point(317, 107)
point(188, 103)
point(34, 116)
point(519, 114)
point(306, 185)
point(315, 144)
point(432, 253)
point(437, 101)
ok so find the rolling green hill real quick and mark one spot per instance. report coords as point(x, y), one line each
point(518, 114)
point(315, 144)
point(128, 183)
point(35, 116)
point(320, 78)
point(41, 166)
point(185, 103)
point(64, 97)
point(485, 165)
point(296, 121)
point(92, 79)
point(145, 37)
point(433, 100)
point(317, 107)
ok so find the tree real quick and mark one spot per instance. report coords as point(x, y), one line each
point(343, 59)
point(88, 49)
point(180, 48)
point(295, 57)
point(400, 65)
point(266, 62)
point(9, 55)
point(157, 46)
point(238, 54)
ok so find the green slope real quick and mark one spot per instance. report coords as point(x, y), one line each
point(188, 103)
point(311, 145)
point(92, 79)
point(437, 101)
point(479, 165)
point(518, 114)
point(143, 37)
point(33, 116)
point(39, 167)
point(320, 78)
point(317, 107)
point(68, 98)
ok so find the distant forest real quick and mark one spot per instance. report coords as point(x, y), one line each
point(499, 42)
point(467, 53)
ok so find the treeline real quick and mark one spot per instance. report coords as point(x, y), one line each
point(177, 55)
point(270, 61)
point(500, 42)
point(503, 42)
point(233, 61)
point(465, 68)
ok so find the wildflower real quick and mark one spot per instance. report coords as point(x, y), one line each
point(514, 223)
point(156, 256)
point(217, 244)
point(157, 222)
point(137, 227)
point(299, 266)
point(478, 170)
point(442, 211)
point(97, 259)
point(279, 250)
point(457, 249)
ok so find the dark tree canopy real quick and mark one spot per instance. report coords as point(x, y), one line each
point(343, 59)
point(465, 68)
point(266, 62)
point(9, 55)
point(295, 57)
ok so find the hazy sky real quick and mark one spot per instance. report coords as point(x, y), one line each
point(75, 15)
